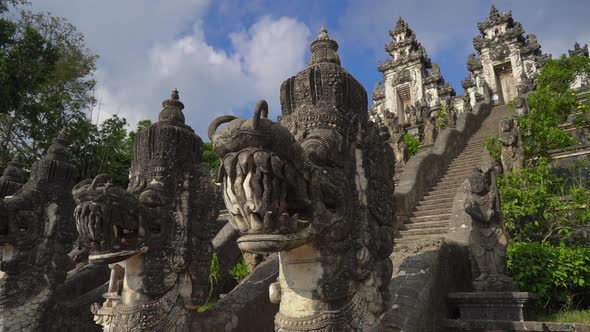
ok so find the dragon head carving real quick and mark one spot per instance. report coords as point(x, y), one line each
point(159, 215)
point(36, 227)
point(322, 176)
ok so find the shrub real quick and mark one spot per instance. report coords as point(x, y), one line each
point(539, 206)
point(494, 148)
point(560, 275)
point(412, 143)
point(240, 270)
point(442, 118)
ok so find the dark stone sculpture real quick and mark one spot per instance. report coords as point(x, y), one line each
point(487, 241)
point(36, 234)
point(467, 102)
point(12, 179)
point(317, 187)
point(512, 152)
point(153, 234)
point(579, 50)
point(429, 131)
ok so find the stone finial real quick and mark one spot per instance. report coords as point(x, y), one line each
point(172, 109)
point(494, 12)
point(324, 49)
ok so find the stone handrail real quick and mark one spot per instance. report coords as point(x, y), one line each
point(424, 168)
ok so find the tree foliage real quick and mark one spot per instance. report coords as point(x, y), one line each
point(539, 206)
point(551, 104)
point(45, 83)
point(210, 158)
point(560, 275)
point(412, 143)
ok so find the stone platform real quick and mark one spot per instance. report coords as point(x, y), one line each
point(498, 325)
point(495, 306)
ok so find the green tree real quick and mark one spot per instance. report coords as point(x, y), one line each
point(210, 158)
point(551, 104)
point(412, 143)
point(45, 82)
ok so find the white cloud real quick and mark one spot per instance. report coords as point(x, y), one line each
point(148, 50)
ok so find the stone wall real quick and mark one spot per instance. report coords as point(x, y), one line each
point(423, 169)
point(427, 271)
point(247, 307)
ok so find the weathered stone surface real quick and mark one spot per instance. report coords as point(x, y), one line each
point(247, 307)
point(37, 231)
point(317, 188)
point(154, 234)
point(491, 306)
point(508, 326)
point(425, 271)
point(512, 150)
point(12, 179)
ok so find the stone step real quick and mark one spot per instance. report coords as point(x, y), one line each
point(448, 186)
point(465, 161)
point(423, 231)
point(429, 207)
point(432, 212)
point(439, 217)
point(441, 193)
point(456, 176)
point(424, 224)
point(433, 200)
point(406, 239)
point(462, 168)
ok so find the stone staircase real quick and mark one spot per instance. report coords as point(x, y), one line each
point(430, 218)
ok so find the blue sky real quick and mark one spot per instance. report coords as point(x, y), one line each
point(224, 55)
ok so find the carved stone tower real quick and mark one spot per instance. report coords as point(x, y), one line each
point(411, 82)
point(508, 59)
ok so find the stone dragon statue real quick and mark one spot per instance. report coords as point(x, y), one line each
point(316, 187)
point(13, 177)
point(37, 231)
point(151, 235)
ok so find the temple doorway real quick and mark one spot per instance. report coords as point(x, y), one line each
point(505, 82)
point(404, 100)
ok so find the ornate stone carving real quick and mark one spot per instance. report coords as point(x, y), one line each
point(12, 179)
point(578, 50)
point(487, 241)
point(473, 63)
point(512, 152)
point(36, 235)
point(317, 188)
point(403, 76)
point(153, 234)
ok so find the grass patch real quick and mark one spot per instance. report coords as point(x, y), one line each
point(569, 316)
point(208, 305)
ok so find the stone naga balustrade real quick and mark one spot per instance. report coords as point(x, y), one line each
point(422, 170)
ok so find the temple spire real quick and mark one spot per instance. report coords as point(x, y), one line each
point(494, 11)
point(172, 108)
point(324, 49)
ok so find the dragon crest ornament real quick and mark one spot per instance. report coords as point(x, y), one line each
point(316, 187)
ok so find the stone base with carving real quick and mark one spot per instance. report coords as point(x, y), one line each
point(504, 306)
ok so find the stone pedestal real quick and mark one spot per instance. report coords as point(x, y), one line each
point(501, 306)
point(414, 131)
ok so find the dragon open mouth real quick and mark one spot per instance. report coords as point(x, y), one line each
point(260, 194)
point(108, 221)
